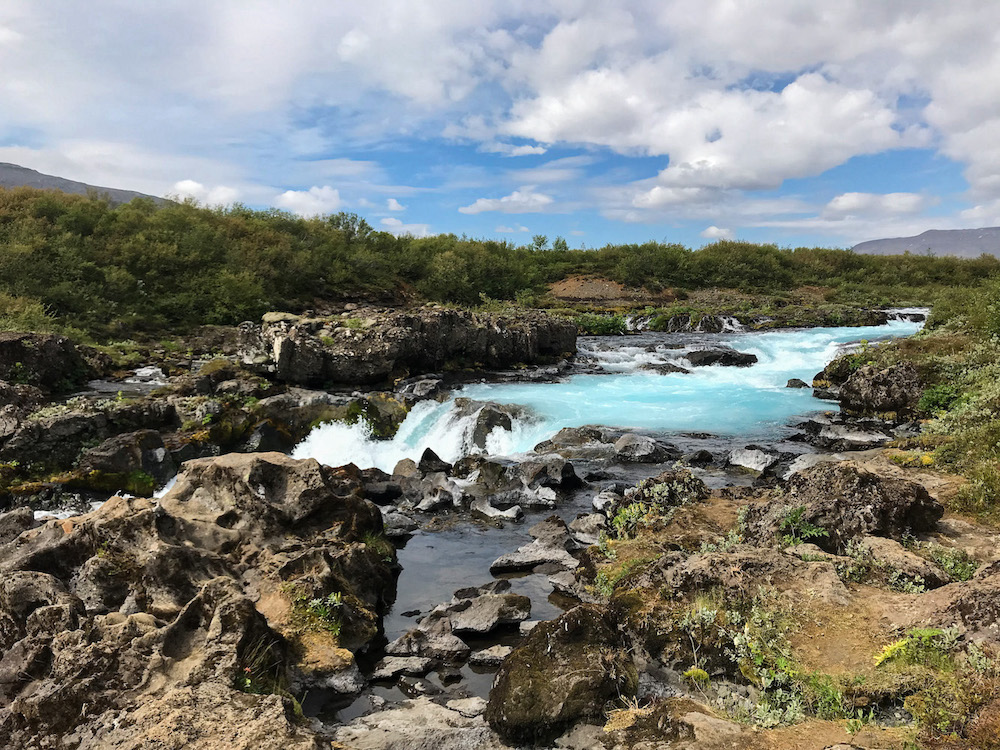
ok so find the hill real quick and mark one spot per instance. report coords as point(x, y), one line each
point(13, 175)
point(958, 243)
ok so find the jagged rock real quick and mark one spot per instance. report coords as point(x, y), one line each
point(437, 645)
point(415, 341)
point(605, 500)
point(567, 670)
point(468, 707)
point(393, 666)
point(430, 463)
point(699, 458)
point(144, 612)
point(722, 356)
point(419, 724)
point(398, 524)
point(13, 523)
point(132, 451)
point(490, 657)
point(487, 612)
point(587, 529)
point(40, 359)
point(665, 368)
point(490, 416)
point(835, 433)
point(550, 544)
point(847, 502)
point(481, 507)
point(796, 383)
point(895, 389)
point(642, 449)
point(753, 457)
point(406, 468)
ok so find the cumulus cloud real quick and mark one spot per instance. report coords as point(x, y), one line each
point(315, 201)
point(217, 195)
point(394, 205)
point(521, 201)
point(397, 227)
point(504, 229)
point(717, 233)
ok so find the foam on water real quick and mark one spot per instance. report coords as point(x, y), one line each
point(751, 402)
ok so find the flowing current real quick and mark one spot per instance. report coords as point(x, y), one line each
point(614, 389)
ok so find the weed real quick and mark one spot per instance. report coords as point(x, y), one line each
point(797, 529)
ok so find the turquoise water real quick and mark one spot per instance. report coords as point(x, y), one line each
point(750, 402)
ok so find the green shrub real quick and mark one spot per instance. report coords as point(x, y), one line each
point(591, 324)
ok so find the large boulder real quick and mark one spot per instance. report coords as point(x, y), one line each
point(392, 344)
point(895, 389)
point(568, 670)
point(40, 359)
point(642, 449)
point(142, 450)
point(844, 502)
point(144, 621)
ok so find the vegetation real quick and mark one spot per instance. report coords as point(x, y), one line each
point(78, 264)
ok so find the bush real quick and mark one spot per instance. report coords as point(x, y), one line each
point(600, 325)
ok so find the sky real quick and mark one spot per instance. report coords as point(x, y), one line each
point(787, 121)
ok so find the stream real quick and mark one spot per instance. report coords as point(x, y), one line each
point(714, 408)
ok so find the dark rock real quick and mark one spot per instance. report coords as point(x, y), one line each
point(724, 357)
point(665, 368)
point(847, 502)
point(388, 343)
point(130, 452)
point(568, 670)
point(699, 458)
point(895, 389)
point(430, 463)
point(45, 360)
point(14, 522)
point(796, 383)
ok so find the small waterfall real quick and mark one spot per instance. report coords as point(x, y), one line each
point(637, 323)
point(731, 324)
point(908, 314)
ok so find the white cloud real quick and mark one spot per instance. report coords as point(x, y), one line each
point(397, 227)
point(849, 205)
point(521, 201)
point(394, 205)
point(717, 233)
point(217, 195)
point(315, 201)
point(503, 229)
point(509, 149)
point(577, 232)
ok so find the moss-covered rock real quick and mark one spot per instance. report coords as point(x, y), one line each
point(568, 670)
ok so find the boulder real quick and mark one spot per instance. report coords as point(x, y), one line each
point(568, 670)
point(895, 389)
point(550, 545)
point(665, 368)
point(847, 503)
point(430, 463)
point(14, 522)
point(40, 359)
point(796, 383)
point(753, 458)
point(587, 529)
point(642, 449)
point(129, 452)
point(421, 724)
point(722, 356)
point(490, 658)
point(487, 612)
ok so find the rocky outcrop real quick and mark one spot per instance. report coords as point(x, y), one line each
point(722, 356)
point(642, 449)
point(895, 389)
point(568, 670)
point(44, 360)
point(394, 344)
point(845, 502)
point(174, 622)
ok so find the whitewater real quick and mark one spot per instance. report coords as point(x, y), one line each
point(611, 388)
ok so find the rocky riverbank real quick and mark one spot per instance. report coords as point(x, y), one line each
point(799, 593)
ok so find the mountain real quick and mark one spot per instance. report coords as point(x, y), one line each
point(12, 175)
point(961, 243)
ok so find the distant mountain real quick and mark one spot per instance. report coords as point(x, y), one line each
point(961, 243)
point(12, 175)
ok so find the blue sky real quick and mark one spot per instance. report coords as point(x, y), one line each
point(786, 121)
